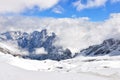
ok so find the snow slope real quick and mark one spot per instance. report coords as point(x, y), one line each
point(80, 68)
point(8, 72)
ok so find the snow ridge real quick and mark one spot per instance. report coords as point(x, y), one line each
point(109, 47)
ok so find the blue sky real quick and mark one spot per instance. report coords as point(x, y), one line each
point(94, 13)
point(96, 10)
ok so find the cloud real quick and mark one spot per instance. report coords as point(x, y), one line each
point(58, 10)
point(17, 6)
point(73, 33)
point(90, 4)
point(114, 1)
point(40, 51)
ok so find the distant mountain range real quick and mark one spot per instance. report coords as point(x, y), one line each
point(41, 39)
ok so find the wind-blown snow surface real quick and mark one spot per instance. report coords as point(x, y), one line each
point(80, 68)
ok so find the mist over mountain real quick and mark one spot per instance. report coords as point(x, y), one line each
point(72, 32)
point(40, 45)
point(65, 37)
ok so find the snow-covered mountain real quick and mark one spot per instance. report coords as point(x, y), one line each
point(40, 46)
point(37, 40)
point(108, 47)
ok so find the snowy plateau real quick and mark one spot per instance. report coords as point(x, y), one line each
point(34, 56)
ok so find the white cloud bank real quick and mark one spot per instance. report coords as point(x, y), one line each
point(17, 6)
point(73, 33)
